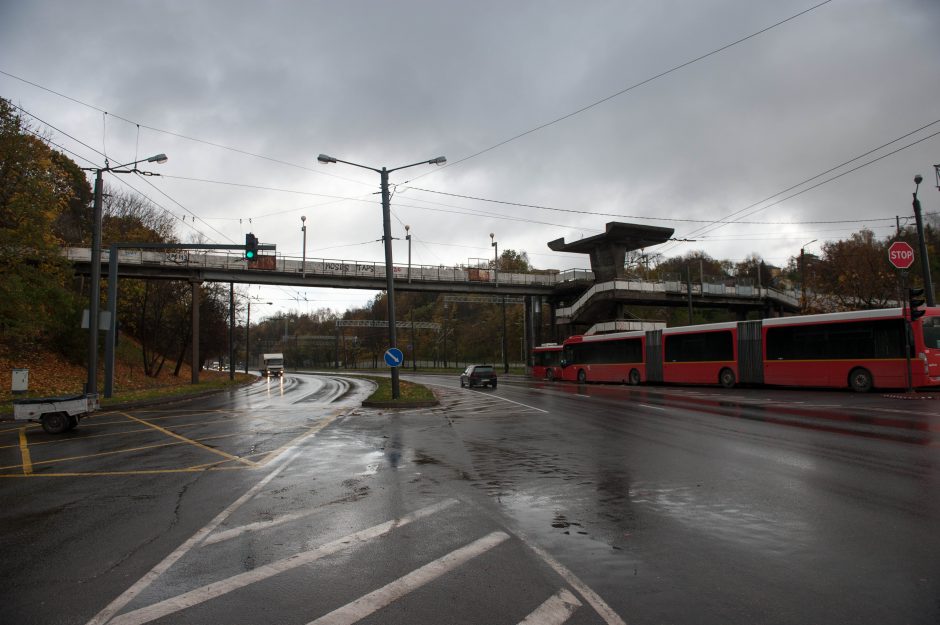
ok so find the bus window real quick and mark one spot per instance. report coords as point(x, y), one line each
point(931, 330)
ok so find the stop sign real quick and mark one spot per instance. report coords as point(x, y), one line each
point(901, 255)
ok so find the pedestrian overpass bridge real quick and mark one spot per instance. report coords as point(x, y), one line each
point(573, 292)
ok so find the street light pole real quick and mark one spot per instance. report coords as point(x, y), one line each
point(803, 276)
point(408, 238)
point(924, 262)
point(303, 263)
point(505, 341)
point(387, 238)
point(94, 304)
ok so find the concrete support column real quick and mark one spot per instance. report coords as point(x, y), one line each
point(196, 285)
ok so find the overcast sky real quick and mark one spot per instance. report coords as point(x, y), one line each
point(251, 92)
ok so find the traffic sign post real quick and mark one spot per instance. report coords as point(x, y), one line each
point(901, 255)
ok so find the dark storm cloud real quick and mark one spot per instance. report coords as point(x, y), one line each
point(392, 83)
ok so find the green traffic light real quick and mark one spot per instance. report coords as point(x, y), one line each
point(249, 254)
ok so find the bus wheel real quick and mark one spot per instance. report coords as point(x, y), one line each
point(582, 376)
point(550, 375)
point(860, 380)
point(634, 378)
point(726, 378)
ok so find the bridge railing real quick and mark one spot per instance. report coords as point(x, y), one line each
point(673, 285)
point(329, 267)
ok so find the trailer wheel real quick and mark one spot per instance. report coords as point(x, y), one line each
point(860, 380)
point(55, 422)
point(582, 376)
point(634, 378)
point(726, 378)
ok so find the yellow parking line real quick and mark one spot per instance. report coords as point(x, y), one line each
point(124, 473)
point(128, 450)
point(24, 451)
point(191, 441)
point(59, 441)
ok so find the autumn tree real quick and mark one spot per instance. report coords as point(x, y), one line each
point(855, 274)
point(35, 189)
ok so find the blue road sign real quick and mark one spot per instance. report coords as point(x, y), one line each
point(394, 357)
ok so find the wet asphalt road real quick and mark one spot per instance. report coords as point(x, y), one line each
point(287, 503)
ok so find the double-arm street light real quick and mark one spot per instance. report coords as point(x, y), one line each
point(91, 385)
point(387, 238)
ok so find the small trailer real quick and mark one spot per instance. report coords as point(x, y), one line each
point(57, 414)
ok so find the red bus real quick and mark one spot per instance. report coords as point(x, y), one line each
point(616, 357)
point(859, 350)
point(546, 361)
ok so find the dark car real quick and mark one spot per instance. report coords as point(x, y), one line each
point(478, 375)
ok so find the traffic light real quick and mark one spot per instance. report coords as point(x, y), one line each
point(915, 299)
point(251, 246)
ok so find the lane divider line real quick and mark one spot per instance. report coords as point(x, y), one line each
point(377, 599)
point(555, 610)
point(191, 441)
point(225, 586)
point(24, 452)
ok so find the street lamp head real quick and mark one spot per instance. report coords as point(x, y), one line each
point(407, 227)
point(303, 218)
point(440, 160)
point(323, 158)
point(159, 158)
point(918, 179)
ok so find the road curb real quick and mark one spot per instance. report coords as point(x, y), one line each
point(426, 403)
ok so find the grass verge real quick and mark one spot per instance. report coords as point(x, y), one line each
point(410, 392)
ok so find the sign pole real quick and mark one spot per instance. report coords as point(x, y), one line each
point(902, 280)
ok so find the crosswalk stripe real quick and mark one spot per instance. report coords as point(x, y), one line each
point(556, 610)
point(376, 600)
point(225, 586)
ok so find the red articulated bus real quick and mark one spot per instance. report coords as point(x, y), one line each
point(858, 350)
point(546, 361)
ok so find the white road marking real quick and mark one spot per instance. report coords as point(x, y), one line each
point(225, 586)
point(489, 397)
point(599, 605)
point(653, 407)
point(556, 610)
point(128, 595)
point(252, 527)
point(112, 608)
point(376, 600)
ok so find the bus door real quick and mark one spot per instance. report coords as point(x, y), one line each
point(750, 353)
point(654, 356)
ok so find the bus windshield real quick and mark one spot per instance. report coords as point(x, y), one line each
point(931, 330)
